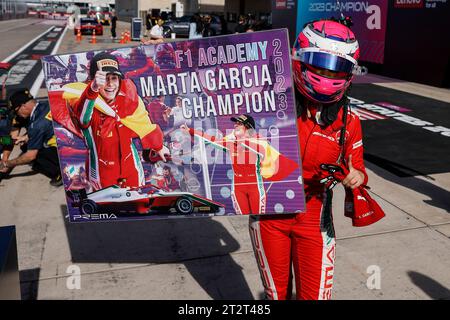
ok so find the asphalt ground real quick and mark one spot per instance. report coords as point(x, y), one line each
point(26, 71)
point(16, 33)
point(212, 258)
point(408, 134)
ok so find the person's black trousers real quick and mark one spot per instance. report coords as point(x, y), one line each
point(113, 32)
point(47, 162)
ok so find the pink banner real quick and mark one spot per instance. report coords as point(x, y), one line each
point(369, 19)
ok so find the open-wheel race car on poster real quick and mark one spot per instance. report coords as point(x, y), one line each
point(148, 199)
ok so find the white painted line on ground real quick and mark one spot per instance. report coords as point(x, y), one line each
point(12, 56)
point(38, 83)
point(361, 117)
point(21, 26)
point(368, 115)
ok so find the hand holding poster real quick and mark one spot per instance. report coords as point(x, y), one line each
point(198, 128)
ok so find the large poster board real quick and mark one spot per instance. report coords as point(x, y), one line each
point(220, 111)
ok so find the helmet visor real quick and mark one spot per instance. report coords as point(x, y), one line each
point(324, 60)
point(327, 73)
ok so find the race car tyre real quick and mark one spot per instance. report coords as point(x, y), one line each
point(88, 207)
point(219, 211)
point(184, 206)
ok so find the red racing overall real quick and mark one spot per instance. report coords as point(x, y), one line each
point(113, 158)
point(248, 194)
point(306, 240)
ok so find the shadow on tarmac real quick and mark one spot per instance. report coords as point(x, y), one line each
point(439, 197)
point(430, 286)
point(202, 245)
point(16, 175)
point(29, 283)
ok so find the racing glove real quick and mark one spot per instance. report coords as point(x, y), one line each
point(336, 172)
point(358, 204)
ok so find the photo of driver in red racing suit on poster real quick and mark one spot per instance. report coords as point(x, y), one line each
point(252, 160)
point(110, 114)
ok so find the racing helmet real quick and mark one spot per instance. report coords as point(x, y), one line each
point(324, 59)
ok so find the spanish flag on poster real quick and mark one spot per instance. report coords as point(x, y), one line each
point(275, 166)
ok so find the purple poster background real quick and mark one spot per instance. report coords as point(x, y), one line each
point(260, 53)
point(369, 18)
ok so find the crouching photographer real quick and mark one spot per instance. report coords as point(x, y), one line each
point(41, 142)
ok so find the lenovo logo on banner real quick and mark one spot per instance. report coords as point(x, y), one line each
point(408, 3)
point(280, 4)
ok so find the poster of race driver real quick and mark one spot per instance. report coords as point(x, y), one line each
point(188, 128)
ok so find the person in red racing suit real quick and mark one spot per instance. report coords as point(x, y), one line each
point(248, 193)
point(306, 241)
point(111, 114)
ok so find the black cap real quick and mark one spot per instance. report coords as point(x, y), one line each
point(104, 61)
point(246, 120)
point(20, 97)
